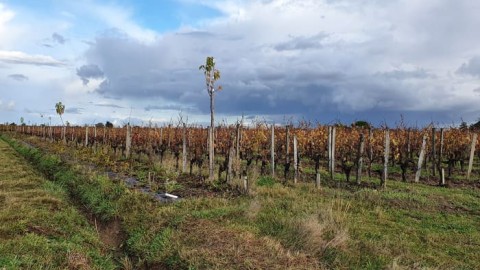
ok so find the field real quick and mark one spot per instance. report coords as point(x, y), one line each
point(39, 227)
point(274, 223)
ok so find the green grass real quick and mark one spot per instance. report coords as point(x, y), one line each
point(39, 228)
point(300, 227)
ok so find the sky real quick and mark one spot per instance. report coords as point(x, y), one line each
point(323, 61)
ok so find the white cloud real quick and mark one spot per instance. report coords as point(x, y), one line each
point(7, 106)
point(121, 18)
point(16, 57)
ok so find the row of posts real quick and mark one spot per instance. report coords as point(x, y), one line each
point(331, 152)
point(360, 154)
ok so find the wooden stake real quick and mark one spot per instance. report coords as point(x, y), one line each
point(245, 184)
point(472, 152)
point(231, 157)
point(361, 147)
point(332, 170)
point(128, 143)
point(86, 136)
point(442, 177)
point(434, 158)
point(184, 148)
point(440, 158)
point(420, 159)
point(386, 156)
point(329, 149)
point(317, 181)
point(295, 159)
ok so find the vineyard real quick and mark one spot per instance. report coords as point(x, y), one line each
point(284, 197)
point(293, 153)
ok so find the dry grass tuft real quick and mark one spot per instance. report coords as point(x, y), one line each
point(78, 261)
point(253, 209)
point(206, 244)
point(126, 263)
point(327, 229)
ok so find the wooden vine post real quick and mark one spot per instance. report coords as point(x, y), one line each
point(329, 149)
point(272, 150)
point(440, 158)
point(128, 142)
point(287, 145)
point(361, 147)
point(332, 152)
point(420, 159)
point(472, 153)
point(385, 161)
point(86, 136)
point(231, 158)
point(434, 153)
point(237, 150)
point(295, 159)
point(370, 151)
point(184, 148)
point(318, 181)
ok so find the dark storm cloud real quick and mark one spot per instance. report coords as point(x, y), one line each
point(379, 67)
point(18, 77)
point(472, 67)
point(87, 72)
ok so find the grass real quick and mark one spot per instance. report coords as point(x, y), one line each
point(39, 228)
point(412, 226)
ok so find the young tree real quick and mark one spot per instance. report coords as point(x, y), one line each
point(60, 109)
point(211, 76)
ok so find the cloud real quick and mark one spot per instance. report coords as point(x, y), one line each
point(16, 57)
point(18, 77)
point(120, 18)
point(87, 72)
point(305, 58)
point(58, 38)
point(471, 68)
point(109, 106)
point(9, 106)
point(74, 110)
point(406, 74)
point(302, 43)
point(173, 107)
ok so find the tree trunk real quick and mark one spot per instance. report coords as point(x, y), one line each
point(211, 150)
